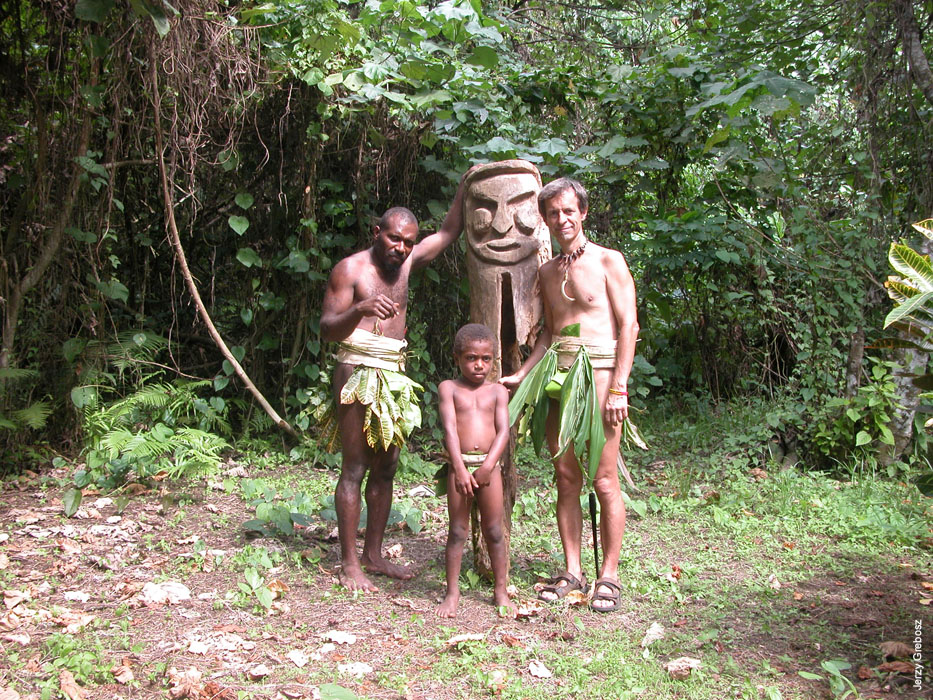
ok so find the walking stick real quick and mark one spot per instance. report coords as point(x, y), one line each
point(593, 524)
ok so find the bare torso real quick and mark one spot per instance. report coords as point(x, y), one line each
point(587, 286)
point(370, 280)
point(475, 407)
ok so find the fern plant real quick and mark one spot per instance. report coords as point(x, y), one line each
point(34, 415)
point(161, 427)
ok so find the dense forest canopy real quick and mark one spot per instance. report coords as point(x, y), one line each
point(753, 161)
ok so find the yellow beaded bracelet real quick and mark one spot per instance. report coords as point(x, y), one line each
point(618, 392)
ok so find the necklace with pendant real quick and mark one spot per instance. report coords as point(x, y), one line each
point(565, 260)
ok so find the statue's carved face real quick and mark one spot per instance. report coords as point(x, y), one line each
point(501, 217)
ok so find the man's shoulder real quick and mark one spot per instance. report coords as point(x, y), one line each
point(353, 265)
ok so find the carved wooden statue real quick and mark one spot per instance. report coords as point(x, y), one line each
point(506, 243)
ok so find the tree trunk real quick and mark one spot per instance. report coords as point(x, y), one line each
point(20, 288)
point(913, 49)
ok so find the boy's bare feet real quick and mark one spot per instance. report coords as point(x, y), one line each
point(387, 568)
point(352, 578)
point(502, 600)
point(448, 607)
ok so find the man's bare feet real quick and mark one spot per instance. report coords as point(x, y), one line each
point(387, 568)
point(353, 578)
point(448, 607)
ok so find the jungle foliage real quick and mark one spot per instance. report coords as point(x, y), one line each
point(752, 160)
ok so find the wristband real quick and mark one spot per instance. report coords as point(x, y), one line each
point(618, 392)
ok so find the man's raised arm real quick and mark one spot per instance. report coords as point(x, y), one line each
point(431, 246)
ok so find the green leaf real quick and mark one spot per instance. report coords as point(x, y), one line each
point(249, 257)
point(912, 265)
point(238, 223)
point(246, 315)
point(570, 331)
point(330, 691)
point(238, 351)
point(71, 501)
point(93, 10)
point(809, 676)
point(863, 438)
point(244, 200)
point(82, 396)
point(264, 596)
point(413, 520)
point(484, 56)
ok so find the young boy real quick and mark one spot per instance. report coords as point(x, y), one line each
point(475, 415)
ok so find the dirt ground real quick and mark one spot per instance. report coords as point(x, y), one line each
point(95, 585)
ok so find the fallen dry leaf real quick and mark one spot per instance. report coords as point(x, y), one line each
point(67, 546)
point(927, 584)
point(896, 650)
point(340, 637)
point(355, 668)
point(575, 598)
point(513, 641)
point(539, 670)
point(654, 633)
point(8, 694)
point(681, 668)
point(198, 647)
point(278, 588)
point(497, 680)
point(258, 671)
point(773, 582)
point(759, 474)
point(135, 489)
point(123, 674)
point(298, 657)
point(798, 595)
point(214, 691)
point(925, 601)
point(4, 561)
point(528, 608)
point(22, 639)
point(69, 686)
point(864, 673)
point(10, 621)
point(789, 545)
point(394, 552)
point(167, 592)
point(185, 685)
point(12, 598)
point(73, 621)
point(897, 667)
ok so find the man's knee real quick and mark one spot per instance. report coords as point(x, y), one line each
point(568, 477)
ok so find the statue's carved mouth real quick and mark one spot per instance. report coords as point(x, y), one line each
point(503, 245)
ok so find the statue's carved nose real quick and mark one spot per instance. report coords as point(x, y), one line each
point(502, 222)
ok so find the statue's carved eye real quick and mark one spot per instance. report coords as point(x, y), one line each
point(526, 218)
point(481, 219)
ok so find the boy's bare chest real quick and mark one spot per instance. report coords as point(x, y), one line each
point(481, 402)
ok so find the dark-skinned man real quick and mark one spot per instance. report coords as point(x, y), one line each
point(365, 311)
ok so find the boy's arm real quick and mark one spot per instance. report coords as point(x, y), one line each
point(501, 441)
point(463, 480)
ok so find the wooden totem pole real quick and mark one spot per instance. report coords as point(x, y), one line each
point(506, 243)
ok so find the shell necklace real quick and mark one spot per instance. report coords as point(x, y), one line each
point(565, 260)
